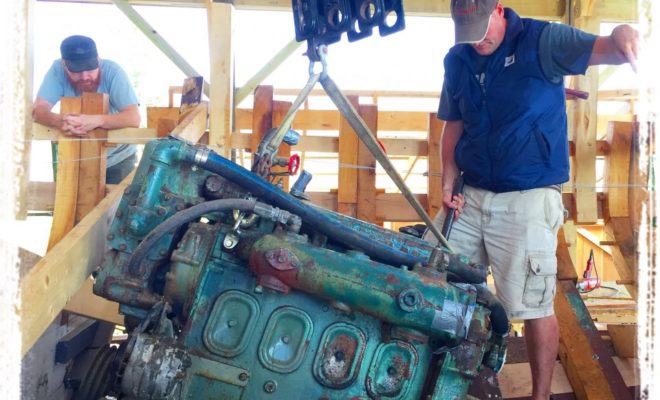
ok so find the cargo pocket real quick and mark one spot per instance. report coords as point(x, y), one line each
point(540, 283)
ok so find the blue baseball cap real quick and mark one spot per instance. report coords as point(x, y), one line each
point(79, 53)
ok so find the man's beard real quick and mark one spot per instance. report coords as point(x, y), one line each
point(86, 86)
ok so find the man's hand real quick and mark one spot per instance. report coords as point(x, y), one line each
point(454, 202)
point(618, 48)
point(80, 124)
point(626, 40)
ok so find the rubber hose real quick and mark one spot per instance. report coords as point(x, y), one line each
point(465, 272)
point(498, 318)
point(179, 219)
point(271, 194)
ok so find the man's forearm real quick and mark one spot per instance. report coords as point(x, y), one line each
point(45, 117)
point(127, 118)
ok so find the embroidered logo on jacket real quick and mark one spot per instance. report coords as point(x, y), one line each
point(509, 60)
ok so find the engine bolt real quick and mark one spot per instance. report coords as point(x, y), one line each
point(285, 339)
point(258, 289)
point(231, 323)
point(110, 236)
point(243, 376)
point(270, 386)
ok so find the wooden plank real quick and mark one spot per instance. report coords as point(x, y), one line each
point(68, 158)
point(194, 125)
point(515, 380)
point(40, 196)
point(617, 169)
point(306, 119)
point(434, 177)
point(277, 60)
point(565, 266)
point(624, 339)
point(89, 305)
point(584, 133)
point(62, 271)
point(612, 10)
point(621, 231)
point(347, 158)
point(590, 370)
point(219, 17)
point(132, 136)
point(262, 117)
point(280, 109)
point(155, 114)
point(366, 177)
point(91, 178)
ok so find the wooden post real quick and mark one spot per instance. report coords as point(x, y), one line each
point(91, 179)
point(434, 177)
point(366, 182)
point(584, 126)
point(68, 159)
point(221, 107)
point(621, 171)
point(347, 158)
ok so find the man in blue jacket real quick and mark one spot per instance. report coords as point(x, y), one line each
point(504, 105)
point(81, 70)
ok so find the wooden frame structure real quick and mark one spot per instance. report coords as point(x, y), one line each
point(45, 293)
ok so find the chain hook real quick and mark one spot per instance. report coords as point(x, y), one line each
point(321, 52)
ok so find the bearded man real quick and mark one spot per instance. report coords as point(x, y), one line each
point(81, 70)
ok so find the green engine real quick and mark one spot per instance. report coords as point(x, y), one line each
point(234, 289)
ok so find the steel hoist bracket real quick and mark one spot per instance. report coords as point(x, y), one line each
point(324, 21)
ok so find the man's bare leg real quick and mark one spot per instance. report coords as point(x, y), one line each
point(542, 340)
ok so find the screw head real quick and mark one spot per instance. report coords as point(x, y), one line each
point(270, 386)
point(243, 376)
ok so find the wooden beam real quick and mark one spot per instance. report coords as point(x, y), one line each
point(565, 265)
point(612, 10)
point(434, 178)
point(219, 16)
point(40, 196)
point(194, 125)
point(624, 339)
point(49, 285)
point(329, 120)
point(115, 136)
point(622, 215)
point(160, 119)
point(366, 174)
point(89, 305)
point(277, 60)
point(153, 35)
point(68, 160)
point(347, 158)
point(591, 371)
point(617, 169)
point(91, 178)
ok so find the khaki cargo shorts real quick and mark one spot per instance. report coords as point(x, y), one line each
point(515, 233)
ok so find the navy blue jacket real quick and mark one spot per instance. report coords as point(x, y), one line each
point(515, 134)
